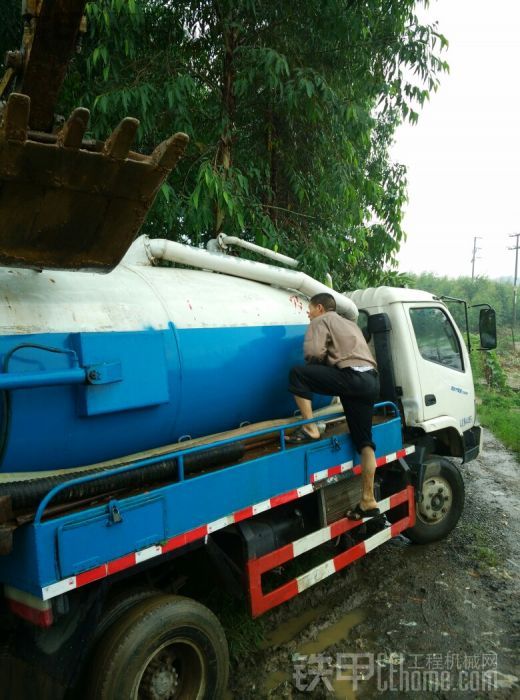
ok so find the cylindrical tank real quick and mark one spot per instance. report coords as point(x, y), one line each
point(175, 352)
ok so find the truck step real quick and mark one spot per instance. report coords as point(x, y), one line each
point(260, 601)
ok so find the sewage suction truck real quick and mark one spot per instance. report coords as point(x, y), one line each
point(143, 416)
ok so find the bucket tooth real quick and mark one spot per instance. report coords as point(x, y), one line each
point(16, 118)
point(168, 152)
point(118, 144)
point(74, 129)
point(68, 204)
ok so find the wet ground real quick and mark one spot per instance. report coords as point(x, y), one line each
point(434, 621)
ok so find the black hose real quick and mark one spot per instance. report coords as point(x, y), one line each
point(28, 494)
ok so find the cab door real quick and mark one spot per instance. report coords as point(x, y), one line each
point(443, 365)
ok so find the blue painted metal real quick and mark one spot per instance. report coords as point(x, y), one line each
point(33, 380)
point(104, 373)
point(85, 543)
point(179, 455)
point(49, 550)
point(175, 382)
point(144, 372)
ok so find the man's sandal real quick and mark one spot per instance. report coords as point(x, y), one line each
point(359, 513)
point(299, 437)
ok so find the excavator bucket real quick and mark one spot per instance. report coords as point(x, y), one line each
point(71, 204)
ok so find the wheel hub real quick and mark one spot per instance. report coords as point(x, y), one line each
point(436, 499)
point(160, 680)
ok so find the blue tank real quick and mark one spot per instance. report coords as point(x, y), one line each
point(169, 353)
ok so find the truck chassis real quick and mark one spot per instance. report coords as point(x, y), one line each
point(279, 504)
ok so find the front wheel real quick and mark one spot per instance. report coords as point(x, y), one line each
point(165, 648)
point(440, 503)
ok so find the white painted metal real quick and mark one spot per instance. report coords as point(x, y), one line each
point(139, 297)
point(383, 296)
point(453, 389)
point(312, 577)
point(224, 241)
point(416, 375)
point(260, 272)
point(27, 599)
point(261, 507)
point(378, 539)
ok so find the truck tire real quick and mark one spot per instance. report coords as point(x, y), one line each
point(167, 647)
point(441, 502)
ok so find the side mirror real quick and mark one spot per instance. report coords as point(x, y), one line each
point(487, 327)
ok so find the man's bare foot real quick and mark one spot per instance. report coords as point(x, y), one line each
point(368, 505)
point(313, 432)
point(301, 435)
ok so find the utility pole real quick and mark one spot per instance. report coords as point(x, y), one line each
point(515, 248)
point(474, 256)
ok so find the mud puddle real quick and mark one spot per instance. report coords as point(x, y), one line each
point(290, 629)
point(314, 649)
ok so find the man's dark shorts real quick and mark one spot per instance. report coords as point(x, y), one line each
point(358, 392)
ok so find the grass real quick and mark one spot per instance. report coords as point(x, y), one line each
point(244, 635)
point(482, 545)
point(487, 556)
point(496, 374)
point(501, 414)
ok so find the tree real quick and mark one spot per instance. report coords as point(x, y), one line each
point(481, 290)
point(291, 109)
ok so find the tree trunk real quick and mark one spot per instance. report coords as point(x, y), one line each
point(224, 152)
point(273, 162)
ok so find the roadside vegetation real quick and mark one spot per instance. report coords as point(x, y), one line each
point(497, 373)
point(498, 393)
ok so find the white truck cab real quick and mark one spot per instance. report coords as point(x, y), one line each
point(424, 367)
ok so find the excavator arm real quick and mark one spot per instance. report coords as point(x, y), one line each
point(66, 202)
point(51, 30)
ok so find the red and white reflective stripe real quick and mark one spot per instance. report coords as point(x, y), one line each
point(330, 567)
point(198, 533)
point(349, 466)
point(332, 531)
point(332, 471)
point(28, 607)
point(40, 618)
point(261, 602)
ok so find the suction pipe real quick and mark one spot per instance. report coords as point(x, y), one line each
point(161, 249)
point(224, 241)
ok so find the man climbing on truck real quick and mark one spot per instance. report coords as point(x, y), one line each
point(339, 363)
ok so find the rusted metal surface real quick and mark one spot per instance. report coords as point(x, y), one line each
point(6, 538)
point(6, 510)
point(7, 525)
point(54, 28)
point(66, 203)
point(69, 205)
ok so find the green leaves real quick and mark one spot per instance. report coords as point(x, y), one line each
point(291, 110)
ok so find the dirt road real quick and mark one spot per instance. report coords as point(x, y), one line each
point(436, 621)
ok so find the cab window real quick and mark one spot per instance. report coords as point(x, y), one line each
point(436, 337)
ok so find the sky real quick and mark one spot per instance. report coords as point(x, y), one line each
point(463, 156)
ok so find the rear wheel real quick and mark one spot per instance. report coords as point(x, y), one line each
point(165, 648)
point(119, 604)
point(440, 503)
